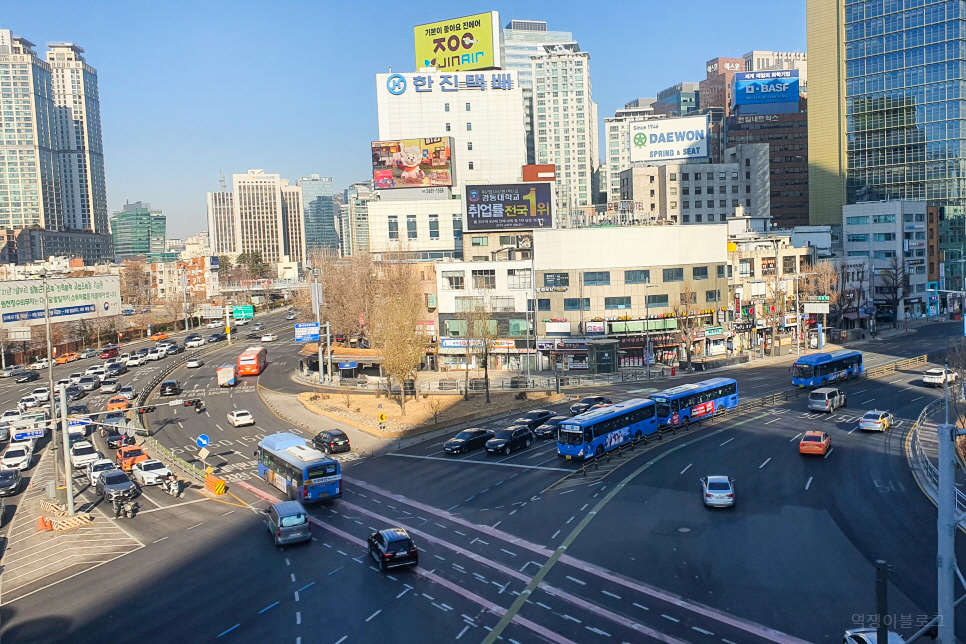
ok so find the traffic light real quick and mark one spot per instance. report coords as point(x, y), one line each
point(146, 409)
point(192, 402)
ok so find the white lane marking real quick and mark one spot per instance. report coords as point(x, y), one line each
point(402, 593)
point(298, 617)
point(687, 468)
point(828, 452)
point(669, 617)
point(701, 630)
point(604, 592)
point(465, 628)
point(726, 442)
point(577, 581)
point(641, 607)
point(765, 463)
point(809, 482)
point(853, 429)
point(866, 402)
point(774, 420)
point(795, 437)
point(374, 614)
point(856, 393)
point(915, 399)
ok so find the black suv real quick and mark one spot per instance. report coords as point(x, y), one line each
point(170, 388)
point(534, 418)
point(331, 441)
point(509, 439)
point(217, 337)
point(117, 369)
point(173, 349)
point(467, 440)
point(584, 404)
point(549, 427)
point(392, 548)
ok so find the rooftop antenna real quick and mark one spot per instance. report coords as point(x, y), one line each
point(221, 181)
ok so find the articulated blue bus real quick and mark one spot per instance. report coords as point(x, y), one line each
point(679, 406)
point(302, 472)
point(601, 430)
point(820, 369)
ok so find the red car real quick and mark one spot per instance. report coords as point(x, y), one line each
point(109, 353)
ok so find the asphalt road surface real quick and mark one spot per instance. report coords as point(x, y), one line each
point(530, 546)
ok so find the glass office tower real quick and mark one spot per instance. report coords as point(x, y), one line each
point(906, 100)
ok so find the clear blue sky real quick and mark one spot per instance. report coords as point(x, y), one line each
point(190, 88)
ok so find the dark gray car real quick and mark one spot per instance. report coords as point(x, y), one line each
point(9, 482)
point(113, 482)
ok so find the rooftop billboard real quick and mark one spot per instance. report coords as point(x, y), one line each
point(756, 88)
point(518, 206)
point(669, 139)
point(460, 44)
point(69, 299)
point(412, 163)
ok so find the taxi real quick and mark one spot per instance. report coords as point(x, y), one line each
point(118, 403)
point(160, 335)
point(128, 455)
point(67, 357)
point(815, 443)
point(876, 420)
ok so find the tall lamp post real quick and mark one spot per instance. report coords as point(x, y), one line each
point(50, 363)
point(647, 331)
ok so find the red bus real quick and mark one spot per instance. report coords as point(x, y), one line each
point(252, 361)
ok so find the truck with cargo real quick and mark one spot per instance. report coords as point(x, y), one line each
point(227, 375)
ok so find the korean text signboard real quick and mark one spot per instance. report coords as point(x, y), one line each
point(777, 86)
point(69, 299)
point(509, 206)
point(666, 139)
point(459, 44)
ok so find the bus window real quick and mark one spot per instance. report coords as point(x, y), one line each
point(674, 406)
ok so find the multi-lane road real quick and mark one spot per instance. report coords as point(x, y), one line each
point(525, 548)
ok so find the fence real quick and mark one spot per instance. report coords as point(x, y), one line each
point(922, 462)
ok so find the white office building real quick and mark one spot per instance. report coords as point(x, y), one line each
point(521, 40)
point(80, 151)
point(760, 61)
point(891, 235)
point(617, 153)
point(565, 120)
point(482, 112)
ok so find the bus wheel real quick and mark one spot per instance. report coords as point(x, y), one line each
point(599, 452)
point(638, 436)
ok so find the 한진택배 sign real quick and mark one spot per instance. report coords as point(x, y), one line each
point(459, 44)
point(509, 206)
point(68, 298)
point(664, 139)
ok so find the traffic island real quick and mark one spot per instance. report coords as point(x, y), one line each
point(383, 417)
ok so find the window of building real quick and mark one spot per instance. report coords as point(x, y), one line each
point(723, 203)
point(685, 191)
point(720, 272)
point(458, 229)
point(656, 301)
point(712, 296)
point(699, 272)
point(673, 274)
point(674, 205)
point(856, 221)
point(556, 279)
point(469, 145)
point(788, 264)
point(883, 219)
point(920, 217)
point(697, 176)
point(617, 302)
point(480, 241)
point(446, 107)
point(767, 266)
point(410, 226)
point(502, 304)
point(447, 127)
point(674, 191)
point(884, 254)
point(858, 253)
point(710, 190)
point(543, 304)
point(484, 279)
point(734, 190)
point(747, 203)
point(697, 190)
point(466, 304)
point(597, 278)
point(518, 278)
point(434, 226)
point(685, 205)
point(685, 219)
point(469, 127)
point(467, 107)
point(698, 218)
point(883, 237)
point(576, 304)
point(746, 267)
point(685, 176)
point(470, 165)
point(688, 298)
point(453, 280)
point(393, 227)
point(673, 176)
point(637, 277)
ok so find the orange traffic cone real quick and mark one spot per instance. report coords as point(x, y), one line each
point(41, 524)
point(49, 524)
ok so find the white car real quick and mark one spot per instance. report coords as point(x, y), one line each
point(718, 491)
point(150, 472)
point(40, 364)
point(135, 361)
point(939, 376)
point(241, 417)
point(269, 337)
point(242, 321)
point(94, 469)
point(75, 378)
point(194, 363)
point(90, 371)
point(196, 341)
point(155, 354)
point(16, 458)
point(10, 415)
point(63, 381)
point(215, 324)
point(100, 374)
point(29, 443)
point(290, 316)
point(28, 402)
point(128, 391)
point(83, 453)
point(41, 394)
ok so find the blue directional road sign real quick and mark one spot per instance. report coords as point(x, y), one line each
point(78, 422)
point(307, 332)
point(203, 440)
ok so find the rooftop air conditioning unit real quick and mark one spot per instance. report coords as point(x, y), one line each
point(305, 453)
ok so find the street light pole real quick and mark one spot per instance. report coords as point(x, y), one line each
point(647, 331)
point(50, 357)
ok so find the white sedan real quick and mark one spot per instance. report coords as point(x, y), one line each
point(215, 324)
point(40, 364)
point(269, 337)
point(150, 472)
point(17, 457)
point(194, 363)
point(93, 470)
point(241, 417)
point(135, 361)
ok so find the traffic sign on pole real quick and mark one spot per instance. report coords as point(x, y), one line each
point(203, 453)
point(307, 332)
point(203, 440)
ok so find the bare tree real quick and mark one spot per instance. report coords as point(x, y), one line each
point(689, 321)
point(173, 309)
point(892, 281)
point(397, 329)
point(777, 294)
point(349, 286)
point(435, 406)
point(135, 283)
point(475, 312)
point(850, 289)
point(824, 281)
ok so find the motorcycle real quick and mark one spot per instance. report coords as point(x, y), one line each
point(124, 505)
point(171, 485)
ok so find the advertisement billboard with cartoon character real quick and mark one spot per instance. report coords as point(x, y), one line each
point(412, 163)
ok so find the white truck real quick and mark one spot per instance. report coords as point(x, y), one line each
point(227, 375)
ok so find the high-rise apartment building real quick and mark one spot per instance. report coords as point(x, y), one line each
point(319, 213)
point(354, 219)
point(521, 40)
point(263, 215)
point(138, 230)
point(29, 180)
point(80, 151)
point(566, 125)
point(617, 152)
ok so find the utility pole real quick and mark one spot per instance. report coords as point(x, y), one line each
point(66, 438)
point(946, 525)
point(328, 349)
point(50, 360)
point(882, 600)
point(184, 291)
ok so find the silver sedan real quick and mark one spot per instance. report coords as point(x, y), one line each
point(718, 491)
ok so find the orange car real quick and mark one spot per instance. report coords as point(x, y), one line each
point(67, 357)
point(128, 455)
point(160, 335)
point(815, 443)
point(118, 403)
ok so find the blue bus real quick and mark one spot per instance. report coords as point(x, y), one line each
point(820, 369)
point(303, 473)
point(678, 406)
point(601, 430)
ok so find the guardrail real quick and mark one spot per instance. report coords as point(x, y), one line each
point(922, 461)
point(892, 367)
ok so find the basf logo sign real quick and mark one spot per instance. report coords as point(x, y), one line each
point(755, 88)
point(669, 139)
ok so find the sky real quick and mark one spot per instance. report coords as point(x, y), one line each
point(188, 89)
